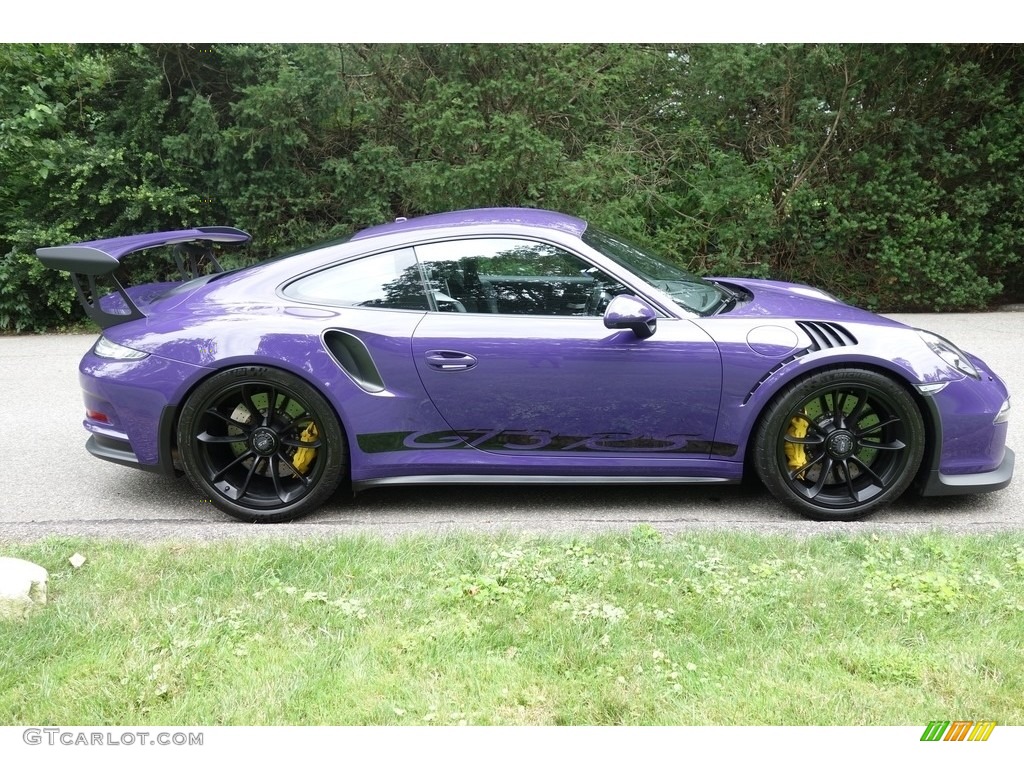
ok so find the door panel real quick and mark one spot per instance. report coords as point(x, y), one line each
point(554, 385)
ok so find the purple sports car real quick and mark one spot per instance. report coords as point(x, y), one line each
point(514, 346)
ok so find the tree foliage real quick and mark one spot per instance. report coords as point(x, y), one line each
point(886, 174)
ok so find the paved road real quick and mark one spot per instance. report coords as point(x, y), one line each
point(52, 486)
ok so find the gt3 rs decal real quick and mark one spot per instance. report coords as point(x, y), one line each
point(538, 440)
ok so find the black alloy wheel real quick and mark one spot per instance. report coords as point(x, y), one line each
point(840, 443)
point(261, 444)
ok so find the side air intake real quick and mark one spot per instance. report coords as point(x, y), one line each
point(353, 358)
point(826, 335)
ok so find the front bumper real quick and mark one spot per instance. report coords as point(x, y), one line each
point(938, 484)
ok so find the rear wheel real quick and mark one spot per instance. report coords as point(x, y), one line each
point(261, 444)
point(839, 444)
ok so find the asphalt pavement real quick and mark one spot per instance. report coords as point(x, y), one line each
point(51, 486)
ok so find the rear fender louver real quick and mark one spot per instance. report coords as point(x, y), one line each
point(826, 335)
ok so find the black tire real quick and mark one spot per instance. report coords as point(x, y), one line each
point(240, 432)
point(863, 443)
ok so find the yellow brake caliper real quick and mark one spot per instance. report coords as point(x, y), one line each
point(796, 456)
point(304, 456)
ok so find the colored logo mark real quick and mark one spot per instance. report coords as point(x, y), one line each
point(958, 730)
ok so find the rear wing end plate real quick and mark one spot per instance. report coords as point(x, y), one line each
point(98, 260)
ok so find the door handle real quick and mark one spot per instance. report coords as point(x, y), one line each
point(448, 360)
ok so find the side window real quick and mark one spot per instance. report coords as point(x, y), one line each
point(391, 280)
point(513, 277)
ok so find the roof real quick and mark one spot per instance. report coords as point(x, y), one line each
point(527, 217)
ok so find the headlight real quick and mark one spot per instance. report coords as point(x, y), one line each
point(112, 351)
point(1004, 413)
point(952, 355)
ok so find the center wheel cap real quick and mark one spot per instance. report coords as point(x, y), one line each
point(264, 441)
point(840, 445)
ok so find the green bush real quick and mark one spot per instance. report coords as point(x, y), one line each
point(888, 175)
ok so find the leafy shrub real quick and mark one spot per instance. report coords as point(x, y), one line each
point(887, 175)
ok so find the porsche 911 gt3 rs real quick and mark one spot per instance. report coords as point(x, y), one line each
point(514, 346)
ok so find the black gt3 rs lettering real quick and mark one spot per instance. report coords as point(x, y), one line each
point(536, 440)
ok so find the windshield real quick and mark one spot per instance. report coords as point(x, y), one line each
point(685, 289)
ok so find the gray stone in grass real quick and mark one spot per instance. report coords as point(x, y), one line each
point(22, 587)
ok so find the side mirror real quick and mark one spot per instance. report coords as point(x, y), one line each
point(625, 311)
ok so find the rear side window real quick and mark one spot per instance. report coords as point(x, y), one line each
point(389, 280)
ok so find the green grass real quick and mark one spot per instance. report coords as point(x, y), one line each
point(634, 629)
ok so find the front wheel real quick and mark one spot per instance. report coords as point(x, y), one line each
point(839, 444)
point(261, 444)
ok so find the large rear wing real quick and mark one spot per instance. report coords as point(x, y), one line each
point(97, 260)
